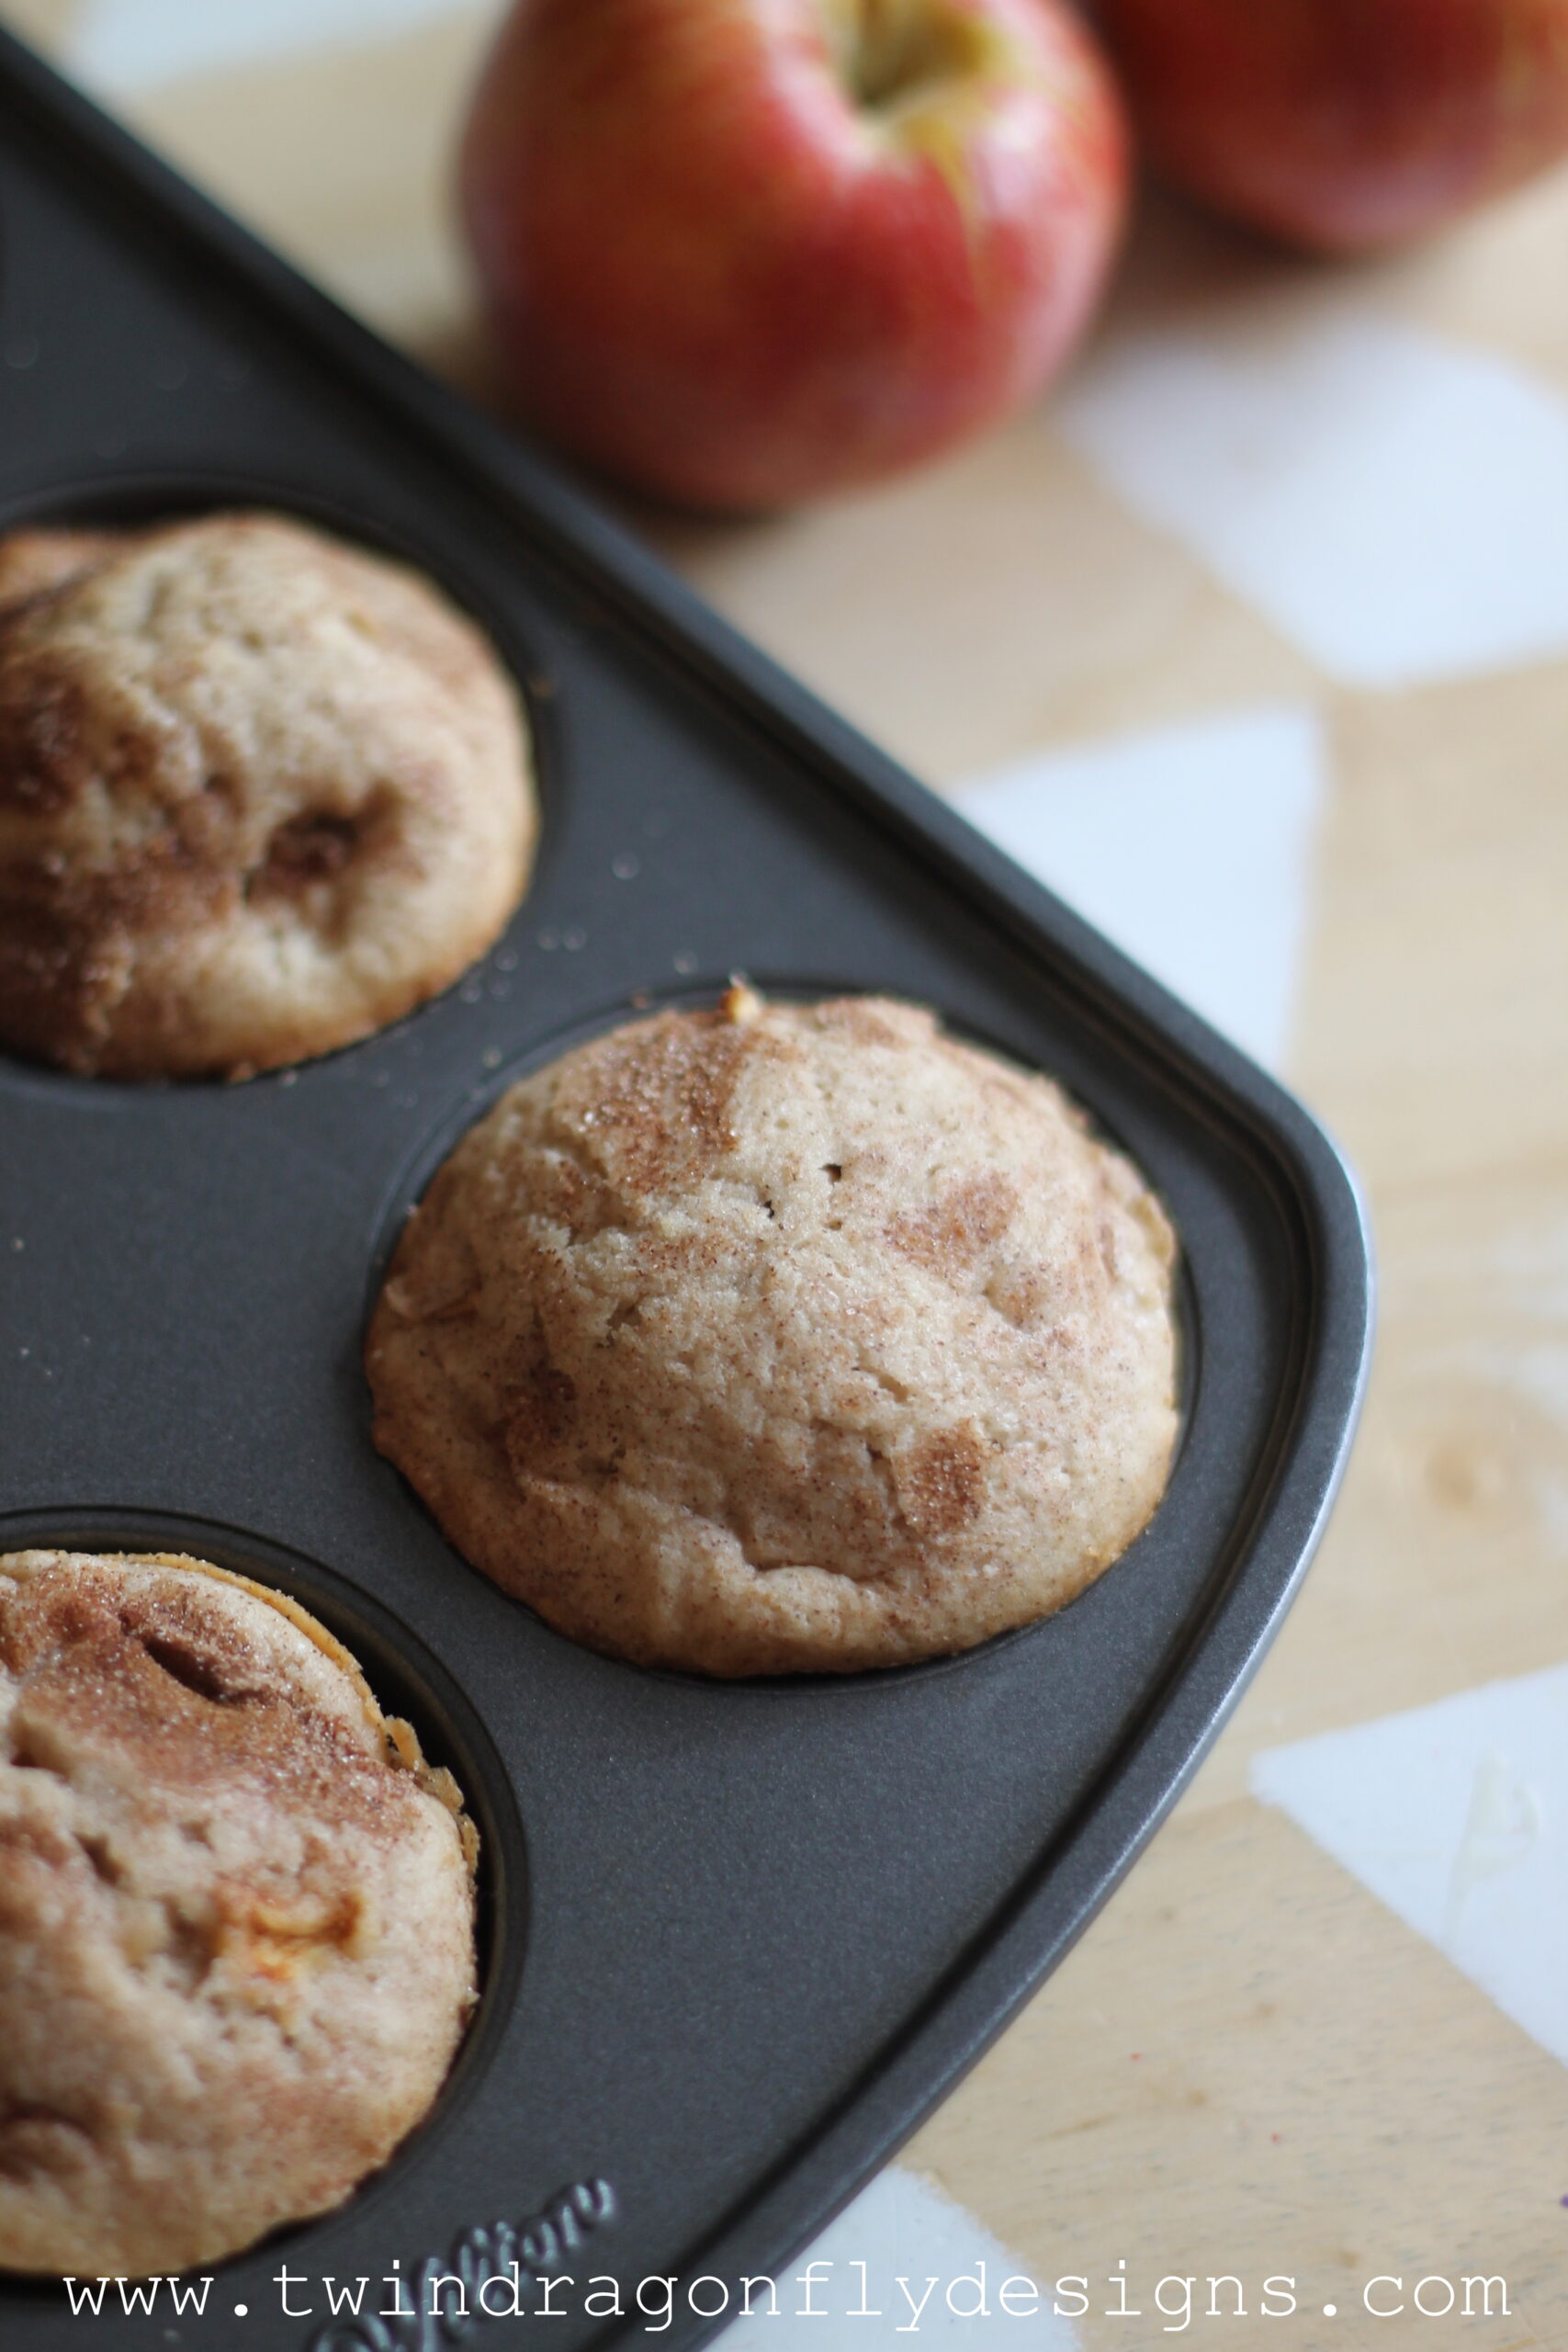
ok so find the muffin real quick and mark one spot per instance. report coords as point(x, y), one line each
point(260, 794)
point(783, 1338)
point(236, 1916)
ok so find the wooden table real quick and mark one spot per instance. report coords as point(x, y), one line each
point(1250, 2065)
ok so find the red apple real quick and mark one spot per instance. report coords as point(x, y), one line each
point(1345, 125)
point(738, 251)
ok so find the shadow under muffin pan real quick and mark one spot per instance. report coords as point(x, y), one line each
point(763, 1927)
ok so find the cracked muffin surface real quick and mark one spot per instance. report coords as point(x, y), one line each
point(236, 1916)
point(261, 793)
point(780, 1339)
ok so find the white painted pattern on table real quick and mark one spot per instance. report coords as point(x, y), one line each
point(1190, 846)
point(1456, 1817)
point(1394, 503)
point(130, 45)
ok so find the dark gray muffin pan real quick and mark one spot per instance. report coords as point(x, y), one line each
point(738, 1938)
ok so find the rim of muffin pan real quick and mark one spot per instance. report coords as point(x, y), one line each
point(701, 993)
point(141, 501)
point(406, 1679)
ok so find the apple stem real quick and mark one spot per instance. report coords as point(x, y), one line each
point(885, 49)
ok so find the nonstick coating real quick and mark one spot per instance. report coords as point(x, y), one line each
point(740, 1938)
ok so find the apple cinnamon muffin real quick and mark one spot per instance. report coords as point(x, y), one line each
point(783, 1338)
point(261, 793)
point(236, 1916)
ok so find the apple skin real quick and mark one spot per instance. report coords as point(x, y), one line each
point(1345, 126)
point(713, 275)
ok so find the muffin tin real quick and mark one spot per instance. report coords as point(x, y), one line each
point(739, 1937)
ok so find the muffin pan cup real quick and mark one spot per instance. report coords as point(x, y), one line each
point(740, 1938)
